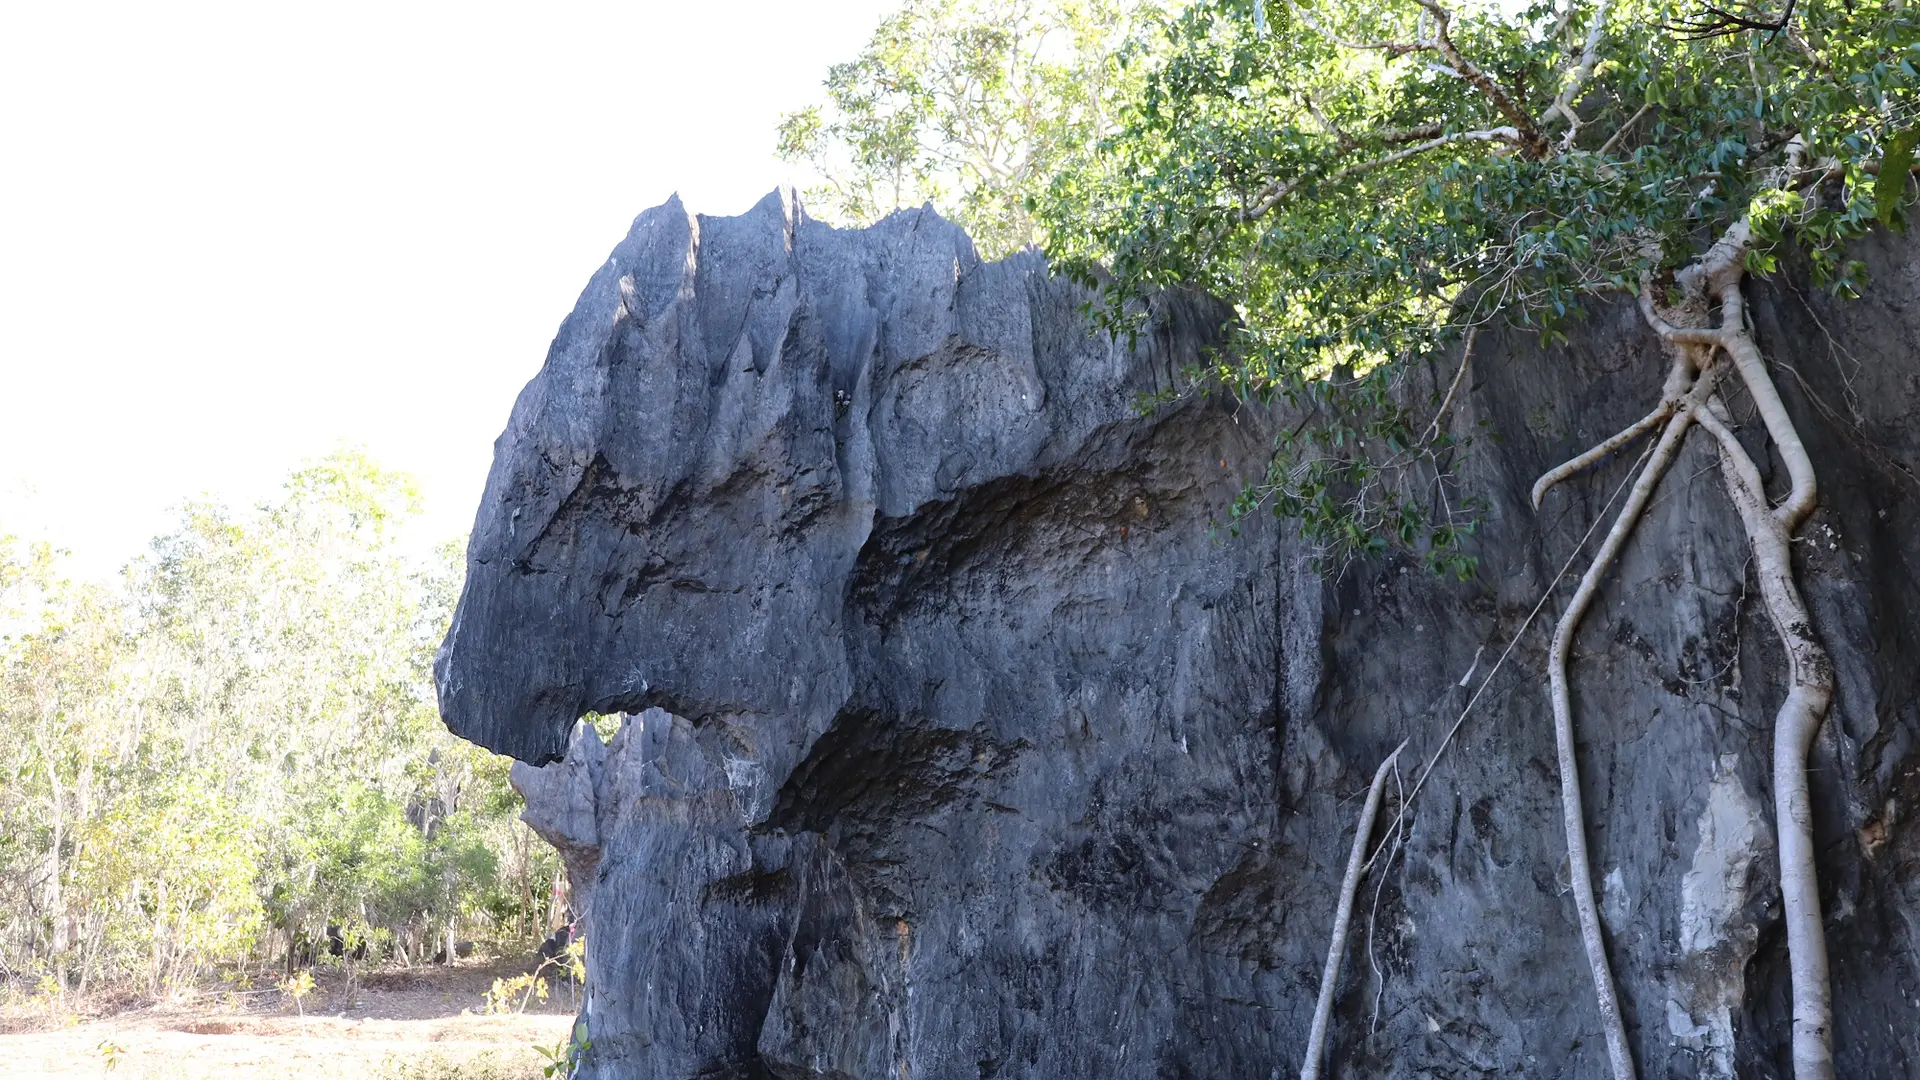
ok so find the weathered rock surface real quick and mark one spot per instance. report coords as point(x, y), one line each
point(962, 747)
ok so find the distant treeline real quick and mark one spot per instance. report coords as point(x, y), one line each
point(232, 756)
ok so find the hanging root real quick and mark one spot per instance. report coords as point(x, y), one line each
point(1679, 379)
point(1679, 418)
point(1810, 691)
point(1323, 1010)
point(1719, 274)
point(1594, 456)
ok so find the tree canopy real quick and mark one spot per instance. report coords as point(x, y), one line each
point(974, 105)
point(1369, 183)
point(238, 748)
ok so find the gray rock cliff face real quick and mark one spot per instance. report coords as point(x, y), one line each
point(960, 744)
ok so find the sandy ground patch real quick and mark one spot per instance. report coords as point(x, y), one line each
point(404, 1024)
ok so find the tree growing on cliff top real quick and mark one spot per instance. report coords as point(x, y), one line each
point(1370, 183)
point(974, 105)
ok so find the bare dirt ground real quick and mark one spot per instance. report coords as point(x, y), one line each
point(423, 1023)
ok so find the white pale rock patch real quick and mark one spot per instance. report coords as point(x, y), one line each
point(1717, 935)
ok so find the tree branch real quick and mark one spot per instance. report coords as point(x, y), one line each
point(1589, 58)
point(1613, 141)
point(1410, 134)
point(1713, 22)
point(1531, 141)
point(1391, 48)
point(1279, 191)
point(1466, 361)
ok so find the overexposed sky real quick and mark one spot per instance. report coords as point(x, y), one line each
point(234, 235)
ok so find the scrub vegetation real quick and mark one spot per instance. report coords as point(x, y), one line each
point(227, 768)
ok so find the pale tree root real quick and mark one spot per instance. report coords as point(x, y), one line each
point(1810, 671)
point(1599, 453)
point(1342, 917)
point(1718, 276)
point(1810, 691)
point(1679, 380)
point(1679, 418)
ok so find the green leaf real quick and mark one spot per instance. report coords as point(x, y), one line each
point(1890, 187)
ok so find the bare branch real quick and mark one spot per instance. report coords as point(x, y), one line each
point(1589, 58)
point(1713, 22)
point(1466, 361)
point(1531, 141)
point(1819, 62)
point(1346, 141)
point(1613, 141)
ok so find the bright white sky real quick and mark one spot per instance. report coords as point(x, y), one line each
point(234, 235)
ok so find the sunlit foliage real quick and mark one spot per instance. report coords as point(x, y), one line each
point(1370, 182)
point(237, 750)
point(973, 105)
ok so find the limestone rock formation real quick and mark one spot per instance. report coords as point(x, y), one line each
point(963, 743)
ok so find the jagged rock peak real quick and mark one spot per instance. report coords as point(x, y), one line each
point(731, 410)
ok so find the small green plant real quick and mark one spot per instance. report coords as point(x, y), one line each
point(574, 960)
point(570, 964)
point(110, 1054)
point(297, 986)
point(564, 1056)
point(527, 987)
point(50, 993)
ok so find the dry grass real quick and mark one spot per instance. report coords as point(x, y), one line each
point(415, 1024)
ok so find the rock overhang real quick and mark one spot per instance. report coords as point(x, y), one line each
point(684, 491)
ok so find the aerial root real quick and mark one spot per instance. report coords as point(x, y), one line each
point(1809, 694)
point(1599, 452)
point(1342, 916)
point(1718, 275)
point(1810, 670)
point(1743, 476)
point(1680, 379)
point(1679, 417)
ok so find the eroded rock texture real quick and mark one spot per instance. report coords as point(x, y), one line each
point(961, 746)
